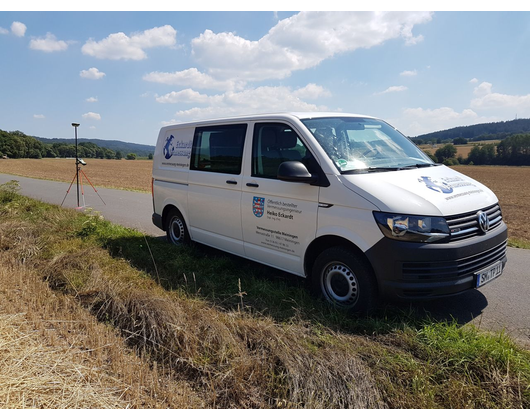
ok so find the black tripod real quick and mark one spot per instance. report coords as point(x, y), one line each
point(76, 176)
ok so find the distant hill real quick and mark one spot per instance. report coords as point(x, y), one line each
point(477, 132)
point(116, 145)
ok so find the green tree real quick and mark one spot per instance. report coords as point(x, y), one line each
point(131, 156)
point(118, 155)
point(446, 152)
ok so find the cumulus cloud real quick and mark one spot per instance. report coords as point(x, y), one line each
point(91, 116)
point(474, 80)
point(119, 46)
point(184, 96)
point(3, 31)
point(18, 29)
point(38, 116)
point(312, 91)
point(92, 73)
point(393, 89)
point(487, 99)
point(300, 42)
point(192, 78)
point(48, 44)
point(409, 73)
point(91, 99)
point(258, 100)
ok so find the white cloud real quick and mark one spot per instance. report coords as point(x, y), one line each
point(185, 96)
point(192, 78)
point(38, 116)
point(312, 91)
point(300, 42)
point(409, 73)
point(18, 29)
point(48, 44)
point(418, 121)
point(393, 89)
point(474, 80)
point(119, 46)
point(3, 31)
point(259, 100)
point(487, 99)
point(91, 116)
point(91, 99)
point(92, 73)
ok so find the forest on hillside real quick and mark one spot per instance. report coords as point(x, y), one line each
point(486, 131)
point(17, 145)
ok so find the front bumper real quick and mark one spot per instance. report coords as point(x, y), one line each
point(419, 271)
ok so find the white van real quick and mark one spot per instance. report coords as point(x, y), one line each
point(344, 200)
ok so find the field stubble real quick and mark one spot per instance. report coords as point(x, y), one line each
point(507, 182)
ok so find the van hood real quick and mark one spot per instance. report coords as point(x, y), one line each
point(432, 191)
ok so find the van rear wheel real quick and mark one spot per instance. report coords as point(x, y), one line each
point(344, 279)
point(176, 230)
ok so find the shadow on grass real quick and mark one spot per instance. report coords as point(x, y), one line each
point(235, 283)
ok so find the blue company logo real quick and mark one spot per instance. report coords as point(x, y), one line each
point(169, 147)
point(436, 185)
point(258, 206)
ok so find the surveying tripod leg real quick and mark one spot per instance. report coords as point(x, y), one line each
point(92, 186)
point(71, 183)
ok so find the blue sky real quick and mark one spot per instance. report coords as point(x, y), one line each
point(123, 75)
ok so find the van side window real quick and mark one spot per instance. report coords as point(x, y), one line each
point(275, 143)
point(218, 148)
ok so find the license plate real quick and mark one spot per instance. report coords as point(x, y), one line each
point(488, 274)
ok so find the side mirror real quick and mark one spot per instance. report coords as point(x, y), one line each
point(295, 172)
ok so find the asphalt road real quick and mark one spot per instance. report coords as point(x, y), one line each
point(503, 304)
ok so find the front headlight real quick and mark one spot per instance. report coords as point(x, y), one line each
point(412, 228)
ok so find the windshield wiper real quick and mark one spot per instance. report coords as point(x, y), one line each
point(371, 169)
point(388, 168)
point(419, 165)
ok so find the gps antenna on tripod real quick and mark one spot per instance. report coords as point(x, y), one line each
point(76, 176)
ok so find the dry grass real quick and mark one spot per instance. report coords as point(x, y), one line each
point(54, 354)
point(123, 174)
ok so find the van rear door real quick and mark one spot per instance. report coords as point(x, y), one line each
point(214, 194)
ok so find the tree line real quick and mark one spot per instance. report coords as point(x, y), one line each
point(17, 145)
point(485, 131)
point(514, 150)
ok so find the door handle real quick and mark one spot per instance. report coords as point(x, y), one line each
point(252, 184)
point(231, 182)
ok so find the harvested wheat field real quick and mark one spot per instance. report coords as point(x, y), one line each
point(512, 187)
point(123, 174)
point(507, 182)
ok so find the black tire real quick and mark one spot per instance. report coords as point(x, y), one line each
point(345, 280)
point(176, 230)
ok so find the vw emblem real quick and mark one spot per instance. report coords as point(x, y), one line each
point(483, 221)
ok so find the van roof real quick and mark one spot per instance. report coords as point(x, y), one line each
point(280, 115)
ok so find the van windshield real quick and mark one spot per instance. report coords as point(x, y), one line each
point(357, 144)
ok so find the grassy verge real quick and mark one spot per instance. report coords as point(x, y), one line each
point(236, 334)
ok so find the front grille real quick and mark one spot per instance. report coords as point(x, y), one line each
point(465, 225)
point(451, 270)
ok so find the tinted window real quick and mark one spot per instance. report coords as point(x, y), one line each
point(274, 144)
point(218, 148)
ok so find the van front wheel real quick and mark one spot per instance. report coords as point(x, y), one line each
point(345, 280)
point(176, 230)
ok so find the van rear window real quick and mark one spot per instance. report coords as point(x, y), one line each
point(218, 148)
